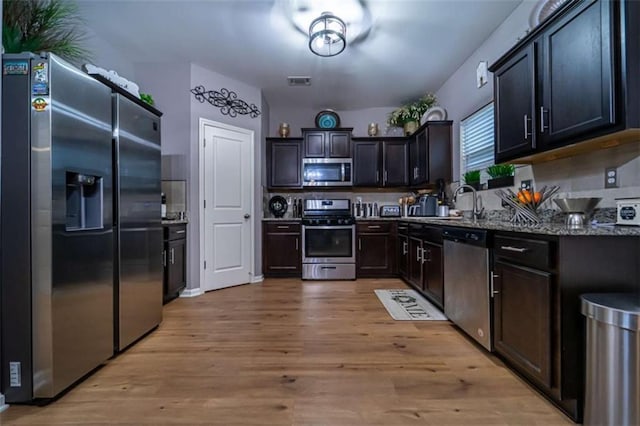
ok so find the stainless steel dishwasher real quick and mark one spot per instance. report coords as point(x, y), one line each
point(467, 300)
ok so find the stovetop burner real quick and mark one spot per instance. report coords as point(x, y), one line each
point(327, 212)
point(328, 220)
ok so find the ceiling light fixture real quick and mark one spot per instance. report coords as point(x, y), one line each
point(327, 35)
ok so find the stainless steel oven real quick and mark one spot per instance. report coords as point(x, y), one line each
point(328, 240)
point(327, 172)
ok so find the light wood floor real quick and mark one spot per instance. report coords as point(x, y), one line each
point(287, 352)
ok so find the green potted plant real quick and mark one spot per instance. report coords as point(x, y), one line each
point(408, 115)
point(43, 26)
point(472, 178)
point(501, 175)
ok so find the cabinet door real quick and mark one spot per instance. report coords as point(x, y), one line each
point(176, 267)
point(433, 272)
point(395, 168)
point(522, 319)
point(314, 144)
point(403, 256)
point(514, 85)
point(415, 261)
point(338, 144)
point(366, 160)
point(439, 152)
point(373, 256)
point(285, 165)
point(281, 252)
point(420, 158)
point(578, 75)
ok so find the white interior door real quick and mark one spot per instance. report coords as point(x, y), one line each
point(227, 188)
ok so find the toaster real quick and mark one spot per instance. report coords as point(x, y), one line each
point(628, 211)
point(390, 211)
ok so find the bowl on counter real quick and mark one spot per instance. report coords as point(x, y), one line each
point(578, 210)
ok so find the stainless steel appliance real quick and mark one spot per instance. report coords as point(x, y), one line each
point(327, 172)
point(57, 239)
point(138, 227)
point(328, 240)
point(390, 211)
point(467, 292)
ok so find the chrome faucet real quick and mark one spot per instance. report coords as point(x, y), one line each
point(477, 212)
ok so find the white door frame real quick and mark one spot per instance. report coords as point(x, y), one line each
point(206, 122)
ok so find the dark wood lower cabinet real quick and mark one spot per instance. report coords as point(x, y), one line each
point(281, 249)
point(375, 251)
point(402, 256)
point(522, 319)
point(415, 262)
point(433, 272)
point(174, 258)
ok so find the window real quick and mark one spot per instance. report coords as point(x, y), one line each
point(476, 140)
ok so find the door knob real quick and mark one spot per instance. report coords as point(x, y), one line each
point(247, 216)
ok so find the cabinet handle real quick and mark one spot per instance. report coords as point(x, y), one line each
point(526, 127)
point(542, 126)
point(296, 244)
point(492, 290)
point(373, 226)
point(173, 258)
point(164, 258)
point(283, 227)
point(424, 259)
point(405, 249)
point(181, 232)
point(359, 244)
point(418, 258)
point(385, 178)
point(377, 176)
point(516, 249)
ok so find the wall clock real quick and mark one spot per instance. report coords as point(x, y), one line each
point(327, 119)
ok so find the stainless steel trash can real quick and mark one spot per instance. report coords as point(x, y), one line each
point(612, 387)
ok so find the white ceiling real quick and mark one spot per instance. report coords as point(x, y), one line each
point(412, 48)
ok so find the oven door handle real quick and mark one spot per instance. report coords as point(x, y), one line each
point(304, 227)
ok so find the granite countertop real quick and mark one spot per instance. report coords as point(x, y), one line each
point(174, 221)
point(558, 229)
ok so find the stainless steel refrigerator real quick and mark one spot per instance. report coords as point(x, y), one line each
point(56, 226)
point(138, 219)
point(81, 252)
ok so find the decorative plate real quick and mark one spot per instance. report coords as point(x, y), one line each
point(278, 206)
point(434, 113)
point(542, 10)
point(327, 119)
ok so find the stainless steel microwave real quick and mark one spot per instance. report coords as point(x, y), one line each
point(327, 172)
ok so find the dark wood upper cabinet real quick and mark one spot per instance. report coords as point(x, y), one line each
point(395, 158)
point(284, 162)
point(320, 143)
point(366, 163)
point(515, 105)
point(380, 162)
point(430, 154)
point(578, 74)
point(571, 85)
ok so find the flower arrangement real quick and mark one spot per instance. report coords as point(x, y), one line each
point(411, 111)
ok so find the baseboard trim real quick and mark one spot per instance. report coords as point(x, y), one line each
point(257, 279)
point(3, 406)
point(191, 292)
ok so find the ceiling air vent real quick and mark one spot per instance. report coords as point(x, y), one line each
point(299, 80)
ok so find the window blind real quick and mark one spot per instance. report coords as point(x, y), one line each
point(476, 140)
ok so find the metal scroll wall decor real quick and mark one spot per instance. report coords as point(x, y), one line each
point(226, 100)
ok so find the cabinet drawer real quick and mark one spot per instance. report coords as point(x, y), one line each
point(275, 227)
point(535, 253)
point(403, 228)
point(377, 227)
point(175, 232)
point(432, 234)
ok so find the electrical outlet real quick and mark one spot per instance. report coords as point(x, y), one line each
point(611, 177)
point(526, 184)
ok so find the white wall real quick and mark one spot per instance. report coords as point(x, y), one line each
point(107, 57)
point(213, 81)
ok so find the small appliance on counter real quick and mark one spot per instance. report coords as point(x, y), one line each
point(278, 206)
point(628, 211)
point(578, 210)
point(426, 205)
point(390, 211)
